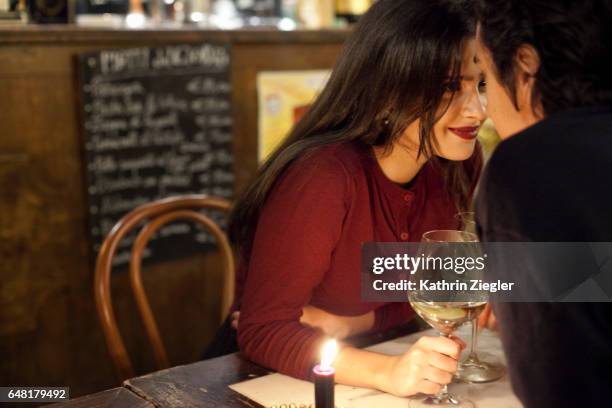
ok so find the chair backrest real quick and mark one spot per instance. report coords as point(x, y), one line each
point(157, 214)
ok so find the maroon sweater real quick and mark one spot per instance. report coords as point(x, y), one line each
point(307, 247)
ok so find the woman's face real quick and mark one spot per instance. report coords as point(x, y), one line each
point(455, 132)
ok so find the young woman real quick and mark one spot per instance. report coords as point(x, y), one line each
point(386, 152)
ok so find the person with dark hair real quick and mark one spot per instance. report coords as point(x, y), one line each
point(387, 152)
point(549, 92)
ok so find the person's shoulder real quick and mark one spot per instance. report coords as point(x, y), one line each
point(546, 170)
point(568, 145)
point(515, 161)
point(328, 167)
point(526, 143)
point(341, 159)
point(524, 153)
point(345, 153)
point(559, 136)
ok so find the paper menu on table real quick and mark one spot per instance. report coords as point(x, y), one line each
point(277, 389)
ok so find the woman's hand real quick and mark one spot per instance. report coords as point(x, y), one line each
point(336, 326)
point(428, 365)
point(487, 318)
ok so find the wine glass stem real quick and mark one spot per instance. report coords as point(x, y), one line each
point(473, 357)
point(443, 393)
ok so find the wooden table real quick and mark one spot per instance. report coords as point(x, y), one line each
point(202, 384)
point(205, 383)
point(115, 397)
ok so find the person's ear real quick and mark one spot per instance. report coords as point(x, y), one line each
point(527, 61)
point(526, 64)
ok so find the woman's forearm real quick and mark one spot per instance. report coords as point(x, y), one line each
point(337, 326)
point(360, 368)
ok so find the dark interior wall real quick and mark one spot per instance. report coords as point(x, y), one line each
point(49, 331)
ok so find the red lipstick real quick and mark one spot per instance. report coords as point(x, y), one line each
point(466, 132)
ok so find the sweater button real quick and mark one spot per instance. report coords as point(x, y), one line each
point(404, 236)
point(407, 197)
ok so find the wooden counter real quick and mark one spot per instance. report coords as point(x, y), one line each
point(49, 332)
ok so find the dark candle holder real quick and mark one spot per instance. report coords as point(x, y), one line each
point(324, 387)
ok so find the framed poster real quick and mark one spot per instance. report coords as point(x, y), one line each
point(283, 98)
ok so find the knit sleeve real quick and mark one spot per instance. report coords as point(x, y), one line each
point(296, 234)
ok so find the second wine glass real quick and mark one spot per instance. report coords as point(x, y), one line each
point(476, 368)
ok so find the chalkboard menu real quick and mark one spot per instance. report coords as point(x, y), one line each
point(157, 123)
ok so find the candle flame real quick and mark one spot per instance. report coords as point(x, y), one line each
point(328, 354)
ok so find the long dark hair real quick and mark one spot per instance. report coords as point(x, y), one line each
point(395, 68)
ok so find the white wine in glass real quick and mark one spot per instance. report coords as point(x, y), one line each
point(446, 317)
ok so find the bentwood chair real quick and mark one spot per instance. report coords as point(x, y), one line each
point(155, 215)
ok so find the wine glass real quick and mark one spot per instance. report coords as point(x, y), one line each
point(475, 368)
point(446, 310)
point(466, 221)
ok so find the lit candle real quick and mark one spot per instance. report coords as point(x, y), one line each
point(324, 376)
